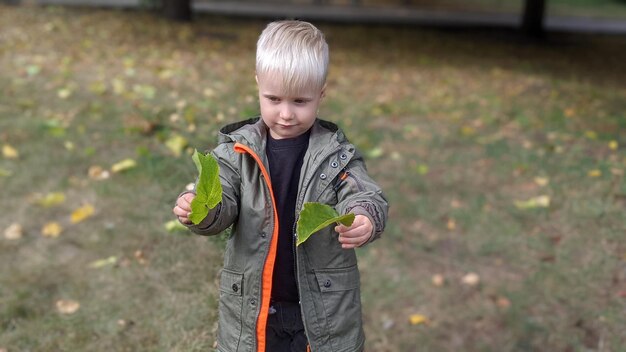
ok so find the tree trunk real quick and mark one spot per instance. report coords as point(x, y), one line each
point(177, 10)
point(532, 21)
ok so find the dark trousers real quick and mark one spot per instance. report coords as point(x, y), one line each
point(285, 330)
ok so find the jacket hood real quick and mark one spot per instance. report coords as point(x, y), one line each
point(253, 133)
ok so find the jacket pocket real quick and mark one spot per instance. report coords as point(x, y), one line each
point(340, 293)
point(230, 310)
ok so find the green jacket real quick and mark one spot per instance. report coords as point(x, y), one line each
point(327, 275)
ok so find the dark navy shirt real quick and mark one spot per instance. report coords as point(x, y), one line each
point(285, 157)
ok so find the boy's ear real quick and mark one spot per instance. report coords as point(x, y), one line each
point(323, 93)
point(256, 78)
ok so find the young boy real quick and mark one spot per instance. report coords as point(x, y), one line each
point(275, 296)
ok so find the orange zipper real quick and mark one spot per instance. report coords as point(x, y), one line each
point(268, 267)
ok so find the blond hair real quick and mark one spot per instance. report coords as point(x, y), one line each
point(294, 52)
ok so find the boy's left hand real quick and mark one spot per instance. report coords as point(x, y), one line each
point(355, 235)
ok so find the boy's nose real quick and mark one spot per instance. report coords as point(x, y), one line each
point(286, 112)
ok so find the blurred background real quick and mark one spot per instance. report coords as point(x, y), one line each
point(497, 129)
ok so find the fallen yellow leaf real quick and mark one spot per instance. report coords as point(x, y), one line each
point(174, 225)
point(64, 93)
point(438, 280)
point(542, 181)
point(13, 232)
point(82, 213)
point(417, 319)
point(503, 302)
point(166, 74)
point(97, 173)
point(208, 92)
point(51, 199)
point(140, 257)
point(67, 306)
point(374, 153)
point(123, 165)
point(468, 131)
point(119, 86)
point(103, 262)
point(98, 88)
point(613, 145)
point(176, 144)
point(591, 135)
point(594, 173)
point(51, 229)
point(451, 225)
point(9, 152)
point(536, 202)
point(181, 104)
point(471, 279)
point(422, 169)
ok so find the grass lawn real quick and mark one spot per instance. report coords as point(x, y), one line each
point(503, 162)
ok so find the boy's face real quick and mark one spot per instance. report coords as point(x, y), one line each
point(287, 116)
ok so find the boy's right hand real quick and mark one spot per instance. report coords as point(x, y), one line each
point(182, 209)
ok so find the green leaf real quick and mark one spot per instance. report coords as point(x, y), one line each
point(316, 216)
point(208, 188)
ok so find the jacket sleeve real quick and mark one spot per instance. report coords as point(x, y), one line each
point(359, 194)
point(226, 212)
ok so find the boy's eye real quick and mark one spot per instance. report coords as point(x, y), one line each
point(273, 99)
point(300, 101)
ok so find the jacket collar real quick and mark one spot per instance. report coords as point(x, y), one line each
point(253, 133)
